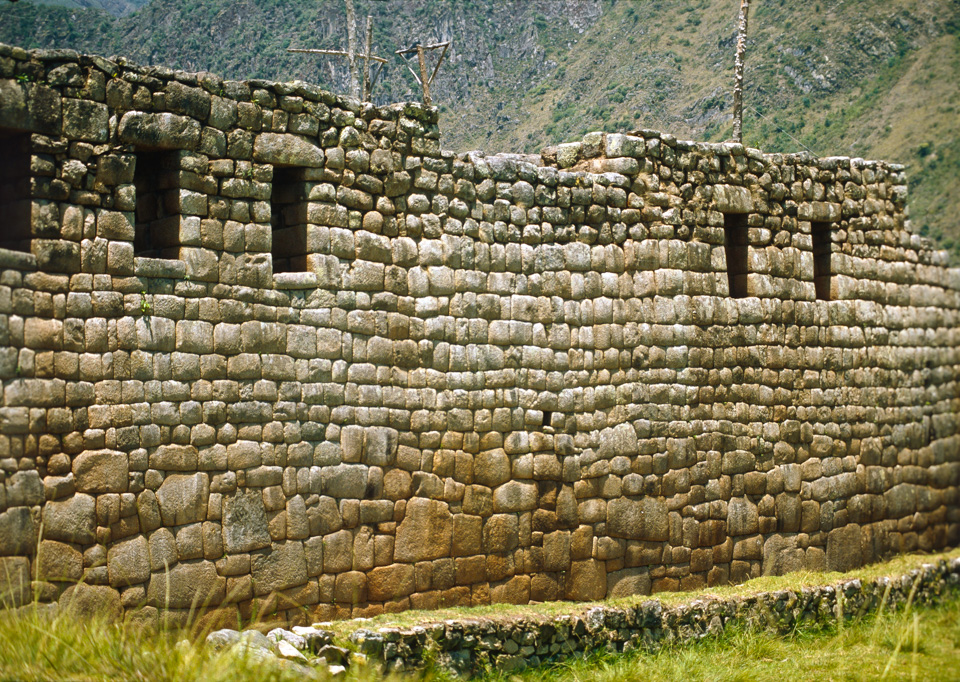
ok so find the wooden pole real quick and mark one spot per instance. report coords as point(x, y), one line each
point(367, 84)
point(352, 48)
point(738, 69)
point(424, 78)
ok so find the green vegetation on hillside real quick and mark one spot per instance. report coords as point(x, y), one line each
point(868, 78)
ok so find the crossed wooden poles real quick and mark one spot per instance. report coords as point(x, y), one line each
point(365, 88)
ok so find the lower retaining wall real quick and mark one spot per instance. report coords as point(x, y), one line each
point(472, 646)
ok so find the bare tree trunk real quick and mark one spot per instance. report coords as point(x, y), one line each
point(738, 78)
point(352, 48)
point(366, 60)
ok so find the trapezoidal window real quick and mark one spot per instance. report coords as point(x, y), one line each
point(15, 203)
point(288, 218)
point(157, 229)
point(735, 246)
point(822, 268)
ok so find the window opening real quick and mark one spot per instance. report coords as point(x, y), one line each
point(735, 246)
point(547, 417)
point(822, 269)
point(15, 203)
point(288, 219)
point(157, 228)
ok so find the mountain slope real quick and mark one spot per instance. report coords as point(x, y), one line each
point(874, 78)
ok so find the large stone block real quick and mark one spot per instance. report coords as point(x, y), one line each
point(732, 199)
point(282, 567)
point(287, 150)
point(128, 562)
point(843, 548)
point(84, 602)
point(101, 471)
point(742, 517)
point(628, 582)
point(425, 533)
point(619, 441)
point(183, 498)
point(71, 520)
point(587, 581)
point(186, 586)
point(18, 532)
point(85, 120)
point(58, 561)
point(515, 496)
point(390, 583)
point(245, 522)
point(30, 107)
point(159, 131)
point(644, 519)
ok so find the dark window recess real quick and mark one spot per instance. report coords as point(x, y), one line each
point(822, 270)
point(15, 203)
point(547, 417)
point(289, 220)
point(735, 245)
point(157, 230)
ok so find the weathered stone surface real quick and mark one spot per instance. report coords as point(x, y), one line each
point(159, 131)
point(283, 567)
point(15, 580)
point(732, 199)
point(644, 519)
point(843, 548)
point(183, 498)
point(245, 522)
point(30, 107)
point(425, 532)
point(587, 581)
point(71, 520)
point(287, 150)
point(91, 601)
point(742, 517)
point(101, 471)
point(390, 583)
point(186, 586)
point(128, 562)
point(18, 532)
point(455, 379)
point(628, 582)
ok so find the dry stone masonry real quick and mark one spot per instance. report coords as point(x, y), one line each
point(267, 350)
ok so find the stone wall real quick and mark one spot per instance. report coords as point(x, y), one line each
point(263, 348)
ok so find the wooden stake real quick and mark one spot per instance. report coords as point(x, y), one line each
point(424, 79)
point(352, 48)
point(738, 72)
point(367, 84)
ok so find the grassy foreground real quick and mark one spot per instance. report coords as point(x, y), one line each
point(916, 643)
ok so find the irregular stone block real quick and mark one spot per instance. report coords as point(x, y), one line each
point(732, 199)
point(58, 561)
point(186, 586)
point(245, 522)
point(391, 583)
point(282, 567)
point(183, 498)
point(283, 149)
point(72, 520)
point(425, 532)
point(128, 562)
point(101, 471)
point(159, 131)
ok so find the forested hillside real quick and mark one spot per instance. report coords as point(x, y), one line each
point(872, 78)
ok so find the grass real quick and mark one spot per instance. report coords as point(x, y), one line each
point(913, 643)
